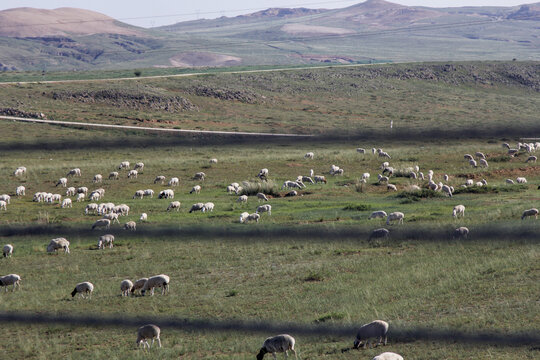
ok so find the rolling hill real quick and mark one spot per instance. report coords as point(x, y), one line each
point(375, 30)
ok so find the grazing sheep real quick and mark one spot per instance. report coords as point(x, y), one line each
point(292, 184)
point(433, 186)
point(473, 163)
point(166, 194)
point(132, 174)
point(373, 151)
point(529, 213)
point(382, 178)
point(384, 154)
point(196, 207)
point(375, 329)
point(71, 191)
point(521, 180)
point(399, 216)
point(62, 181)
point(11, 279)
point(144, 217)
point(391, 187)
point(113, 175)
point(138, 285)
point(264, 208)
point(123, 165)
point(304, 179)
point(149, 192)
point(309, 155)
point(360, 150)
point(458, 210)
point(66, 203)
point(139, 194)
point(74, 172)
point(8, 250)
point(174, 205)
point(125, 287)
point(139, 167)
point(243, 217)
point(82, 190)
point(291, 193)
point(389, 170)
point(461, 232)
point(153, 282)
point(311, 172)
point(252, 217)
point(91, 207)
point(83, 288)
point(130, 225)
point(319, 179)
point(446, 177)
point(242, 199)
point(513, 152)
point(231, 189)
point(196, 189)
point(199, 176)
point(146, 332)
point(107, 239)
point(263, 174)
point(209, 206)
point(379, 233)
point(378, 214)
point(121, 209)
point(506, 145)
point(261, 196)
point(531, 159)
point(510, 181)
point(277, 344)
point(20, 191)
point(469, 182)
point(480, 155)
point(95, 196)
point(447, 190)
point(388, 356)
point(333, 169)
point(58, 243)
point(3, 205)
point(366, 176)
point(213, 161)
point(483, 163)
point(21, 170)
point(468, 157)
point(160, 179)
point(413, 175)
point(97, 178)
point(102, 223)
point(338, 172)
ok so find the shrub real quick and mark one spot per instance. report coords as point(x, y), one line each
point(251, 188)
point(416, 195)
point(358, 207)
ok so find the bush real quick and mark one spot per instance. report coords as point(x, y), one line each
point(359, 207)
point(417, 195)
point(252, 188)
point(490, 189)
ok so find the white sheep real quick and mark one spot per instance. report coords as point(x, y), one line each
point(74, 172)
point(82, 190)
point(107, 239)
point(531, 159)
point(20, 171)
point(447, 189)
point(510, 181)
point(67, 203)
point(149, 192)
point(130, 225)
point(125, 287)
point(113, 175)
point(97, 178)
point(196, 189)
point(461, 232)
point(139, 194)
point(166, 194)
point(311, 173)
point(174, 205)
point(303, 179)
point(196, 207)
point(473, 163)
point(111, 216)
point(123, 165)
point(62, 181)
point(513, 152)
point(146, 332)
point(144, 217)
point(174, 181)
point(384, 154)
point(102, 223)
point(263, 174)
point(243, 217)
point(11, 279)
point(209, 206)
point(213, 161)
point(458, 210)
point(521, 180)
point(91, 207)
point(469, 182)
point(291, 184)
point(399, 216)
point(483, 163)
point(382, 178)
point(366, 176)
point(153, 282)
point(138, 284)
point(338, 172)
point(58, 243)
point(480, 155)
point(264, 208)
point(277, 344)
point(139, 167)
point(530, 213)
point(199, 176)
point(3, 205)
point(6, 198)
point(333, 169)
point(375, 329)
point(378, 214)
point(252, 217)
point(468, 157)
point(242, 199)
point(82, 289)
point(319, 179)
point(132, 174)
point(160, 179)
point(309, 155)
point(20, 191)
point(379, 233)
point(391, 187)
point(7, 250)
point(388, 356)
point(71, 191)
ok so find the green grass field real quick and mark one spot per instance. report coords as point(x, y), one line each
point(476, 284)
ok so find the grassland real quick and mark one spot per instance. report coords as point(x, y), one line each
point(475, 284)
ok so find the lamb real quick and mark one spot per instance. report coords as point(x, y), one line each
point(123, 165)
point(252, 217)
point(262, 196)
point(413, 175)
point(446, 177)
point(3, 205)
point(160, 179)
point(243, 217)
point(67, 203)
point(213, 161)
point(166, 194)
point(510, 181)
point(399, 216)
point(378, 214)
point(83, 288)
point(389, 170)
point(95, 196)
point(196, 207)
point(113, 175)
point(333, 169)
point(384, 154)
point(531, 159)
point(20, 191)
point(391, 187)
point(153, 282)
point(174, 205)
point(209, 206)
point(20, 171)
point(388, 356)
point(138, 285)
point(7, 250)
point(107, 239)
point(379, 233)
point(319, 179)
point(242, 199)
point(139, 166)
point(291, 193)
point(366, 176)
point(483, 163)
point(338, 172)
point(263, 174)
point(375, 329)
point(82, 190)
point(139, 194)
point(196, 189)
point(71, 191)
point(468, 157)
point(383, 178)
point(447, 190)
point(264, 208)
point(277, 344)
point(458, 210)
point(97, 178)
point(132, 174)
point(309, 155)
point(130, 225)
point(125, 287)
point(149, 192)
point(480, 155)
point(91, 207)
point(521, 180)
point(11, 279)
point(144, 217)
point(174, 181)
point(461, 232)
point(58, 243)
point(102, 223)
point(74, 172)
point(360, 150)
point(473, 163)
point(469, 182)
point(145, 332)
point(529, 213)
point(199, 176)
point(62, 181)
